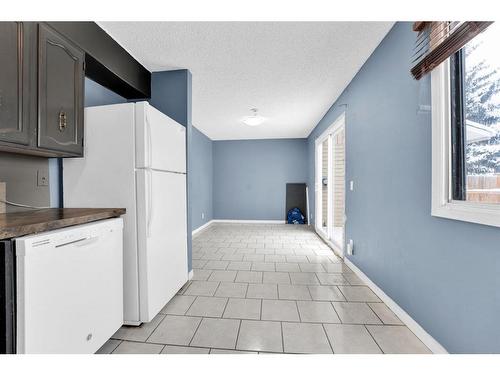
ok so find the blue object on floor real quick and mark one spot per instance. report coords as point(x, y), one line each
point(295, 216)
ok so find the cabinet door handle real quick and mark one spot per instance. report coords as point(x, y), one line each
point(62, 121)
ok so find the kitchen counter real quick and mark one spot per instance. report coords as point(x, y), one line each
point(17, 224)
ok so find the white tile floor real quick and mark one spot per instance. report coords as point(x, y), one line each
point(268, 289)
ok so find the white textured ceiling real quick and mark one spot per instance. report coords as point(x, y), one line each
point(291, 71)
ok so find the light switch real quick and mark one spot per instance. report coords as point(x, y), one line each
point(350, 247)
point(202, 215)
point(351, 185)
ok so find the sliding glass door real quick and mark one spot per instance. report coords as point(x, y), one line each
point(330, 184)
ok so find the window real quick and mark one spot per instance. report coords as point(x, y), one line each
point(466, 132)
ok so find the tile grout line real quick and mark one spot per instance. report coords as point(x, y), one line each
point(216, 289)
point(225, 306)
point(309, 291)
point(340, 290)
point(282, 337)
point(191, 304)
point(336, 312)
point(377, 315)
point(298, 312)
point(246, 290)
point(373, 338)
point(111, 352)
point(187, 346)
point(237, 335)
point(195, 332)
point(153, 331)
point(327, 337)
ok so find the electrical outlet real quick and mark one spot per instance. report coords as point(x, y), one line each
point(42, 178)
point(202, 215)
point(351, 185)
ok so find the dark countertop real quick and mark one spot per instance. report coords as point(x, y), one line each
point(16, 224)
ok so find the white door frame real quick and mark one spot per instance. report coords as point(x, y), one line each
point(318, 167)
point(327, 236)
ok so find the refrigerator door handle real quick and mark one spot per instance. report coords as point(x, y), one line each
point(149, 143)
point(149, 176)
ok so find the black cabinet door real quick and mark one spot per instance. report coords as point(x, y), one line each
point(14, 81)
point(60, 93)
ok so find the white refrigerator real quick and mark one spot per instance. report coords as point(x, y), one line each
point(135, 157)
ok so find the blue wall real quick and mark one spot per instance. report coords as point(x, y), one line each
point(250, 177)
point(171, 94)
point(95, 94)
point(444, 273)
point(201, 179)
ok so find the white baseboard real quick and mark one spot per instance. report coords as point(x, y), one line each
point(250, 221)
point(202, 228)
point(208, 223)
point(412, 325)
point(190, 275)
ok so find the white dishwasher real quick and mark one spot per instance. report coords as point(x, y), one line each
point(69, 288)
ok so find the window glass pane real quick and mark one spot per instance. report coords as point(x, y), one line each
point(482, 117)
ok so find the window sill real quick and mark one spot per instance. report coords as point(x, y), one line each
point(469, 212)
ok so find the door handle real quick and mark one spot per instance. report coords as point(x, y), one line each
point(62, 121)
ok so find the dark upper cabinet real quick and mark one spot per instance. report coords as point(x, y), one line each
point(15, 59)
point(41, 91)
point(60, 93)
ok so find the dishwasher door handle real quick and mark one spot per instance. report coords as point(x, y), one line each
point(80, 242)
point(87, 241)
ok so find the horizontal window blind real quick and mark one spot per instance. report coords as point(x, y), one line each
point(438, 40)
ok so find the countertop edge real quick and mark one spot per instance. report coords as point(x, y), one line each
point(44, 226)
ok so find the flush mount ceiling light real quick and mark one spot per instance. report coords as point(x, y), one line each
point(254, 119)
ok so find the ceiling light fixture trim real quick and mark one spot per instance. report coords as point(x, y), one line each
point(253, 120)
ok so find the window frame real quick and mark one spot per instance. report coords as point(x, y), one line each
point(457, 126)
point(443, 204)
